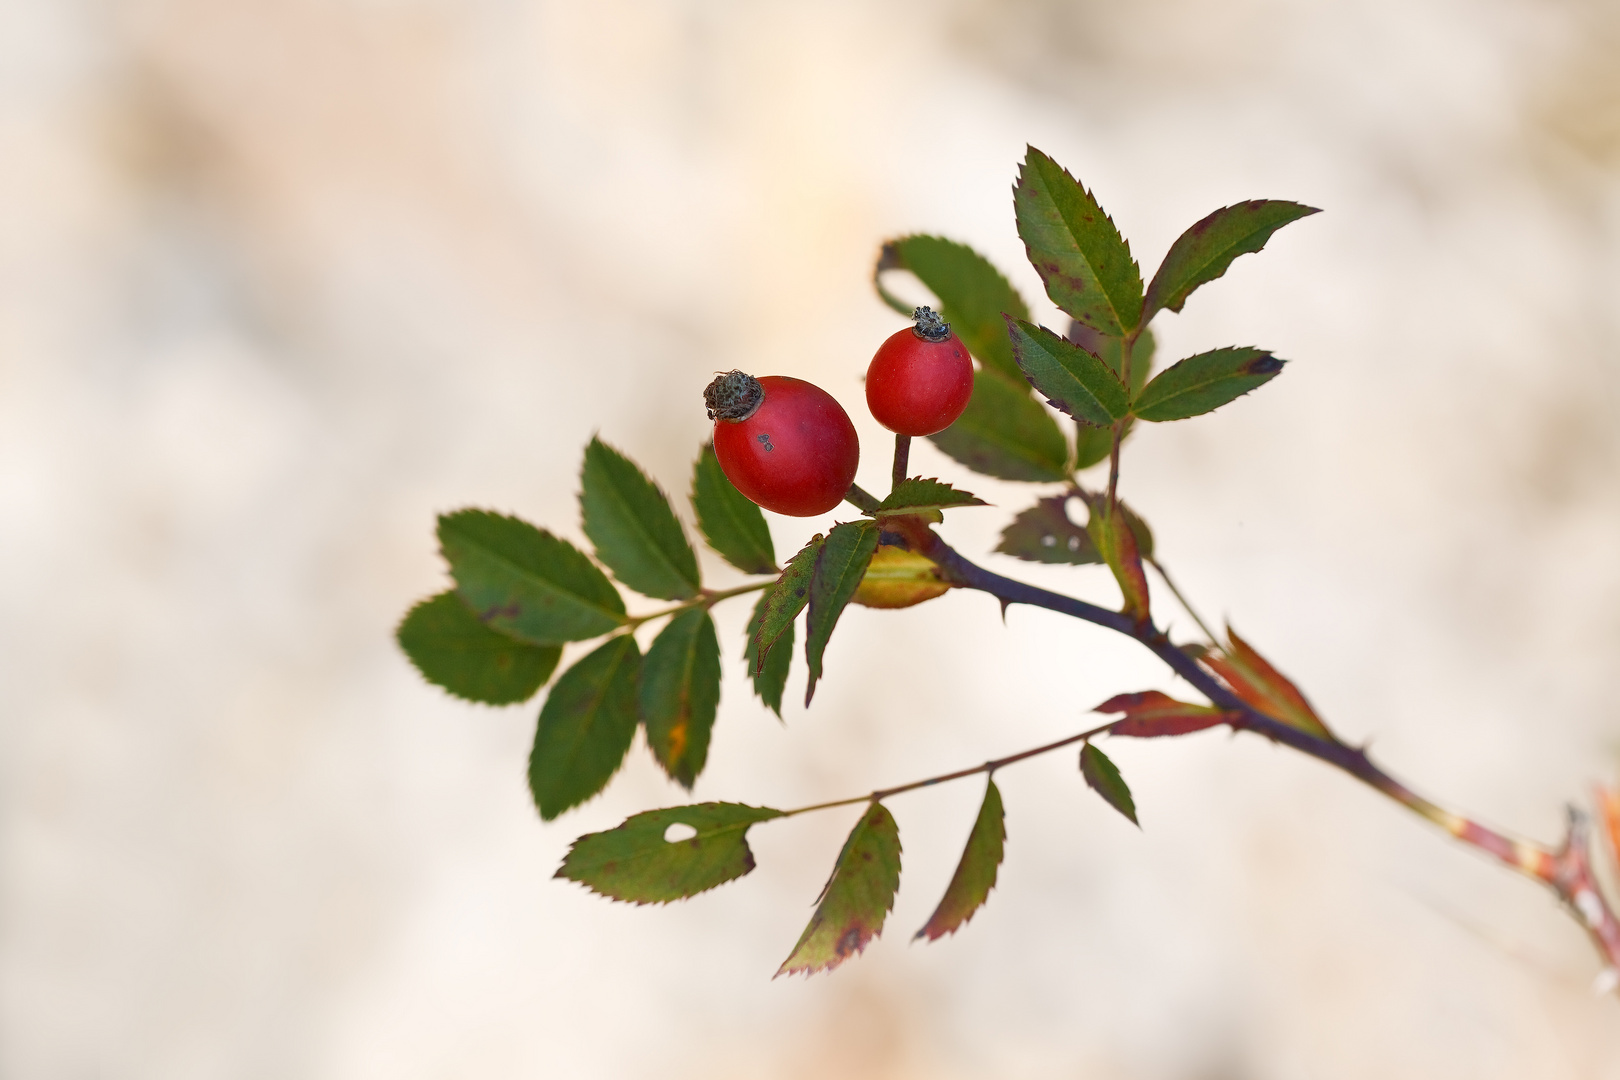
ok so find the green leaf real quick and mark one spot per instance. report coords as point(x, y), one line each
point(784, 600)
point(1074, 246)
point(1115, 540)
point(976, 874)
point(1103, 778)
point(525, 582)
point(679, 693)
point(1071, 378)
point(856, 899)
point(915, 494)
point(1203, 252)
point(634, 528)
point(1045, 534)
point(455, 651)
point(840, 565)
point(972, 293)
point(770, 677)
point(1005, 433)
point(585, 727)
point(1202, 383)
point(636, 863)
point(729, 520)
point(1110, 349)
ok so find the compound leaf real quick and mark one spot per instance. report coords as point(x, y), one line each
point(1103, 777)
point(1072, 379)
point(1203, 383)
point(585, 727)
point(910, 496)
point(453, 650)
point(728, 519)
point(1203, 252)
point(633, 527)
point(1044, 534)
point(783, 601)
point(856, 899)
point(1150, 714)
point(976, 874)
point(972, 293)
point(1074, 246)
point(525, 582)
point(1005, 433)
point(679, 693)
point(840, 566)
point(769, 678)
point(635, 862)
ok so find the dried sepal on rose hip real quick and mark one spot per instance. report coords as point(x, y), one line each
point(921, 378)
point(784, 443)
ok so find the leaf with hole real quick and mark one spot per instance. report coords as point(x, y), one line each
point(1072, 379)
point(453, 650)
point(525, 582)
point(585, 727)
point(917, 494)
point(840, 566)
point(1005, 433)
point(1203, 252)
point(679, 693)
point(1151, 714)
point(783, 601)
point(635, 862)
point(975, 874)
point(1203, 383)
point(1102, 776)
point(769, 678)
point(1074, 246)
point(856, 899)
point(728, 519)
point(1045, 534)
point(972, 293)
point(633, 527)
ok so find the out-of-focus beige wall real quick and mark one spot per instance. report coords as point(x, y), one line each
point(280, 280)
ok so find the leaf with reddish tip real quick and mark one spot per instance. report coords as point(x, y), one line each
point(784, 600)
point(1074, 246)
point(840, 566)
point(972, 293)
point(1150, 714)
point(856, 899)
point(1203, 383)
point(679, 693)
point(1116, 542)
point(1044, 534)
point(976, 874)
point(1102, 776)
point(1253, 679)
point(636, 863)
point(1203, 252)
point(1072, 379)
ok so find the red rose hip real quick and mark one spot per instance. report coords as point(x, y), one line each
point(784, 443)
point(921, 378)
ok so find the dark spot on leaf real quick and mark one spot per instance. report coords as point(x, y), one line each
point(850, 942)
point(1263, 365)
point(866, 856)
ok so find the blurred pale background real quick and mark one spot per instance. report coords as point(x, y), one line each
point(280, 280)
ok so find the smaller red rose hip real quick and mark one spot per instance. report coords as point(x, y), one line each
point(921, 378)
point(785, 443)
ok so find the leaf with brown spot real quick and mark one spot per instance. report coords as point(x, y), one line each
point(976, 874)
point(679, 693)
point(635, 862)
point(1203, 383)
point(856, 899)
point(1150, 714)
point(1116, 542)
point(1253, 679)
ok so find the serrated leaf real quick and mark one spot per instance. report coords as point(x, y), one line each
point(1074, 246)
point(784, 600)
point(728, 519)
point(633, 527)
point(1253, 679)
point(910, 496)
point(636, 864)
point(1045, 534)
point(1110, 349)
point(976, 874)
point(840, 566)
point(1203, 252)
point(679, 693)
point(1072, 379)
point(770, 677)
point(972, 293)
point(1102, 776)
point(856, 899)
point(585, 727)
point(1005, 433)
point(1203, 383)
point(1151, 714)
point(525, 582)
point(898, 578)
point(454, 651)
point(1111, 532)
